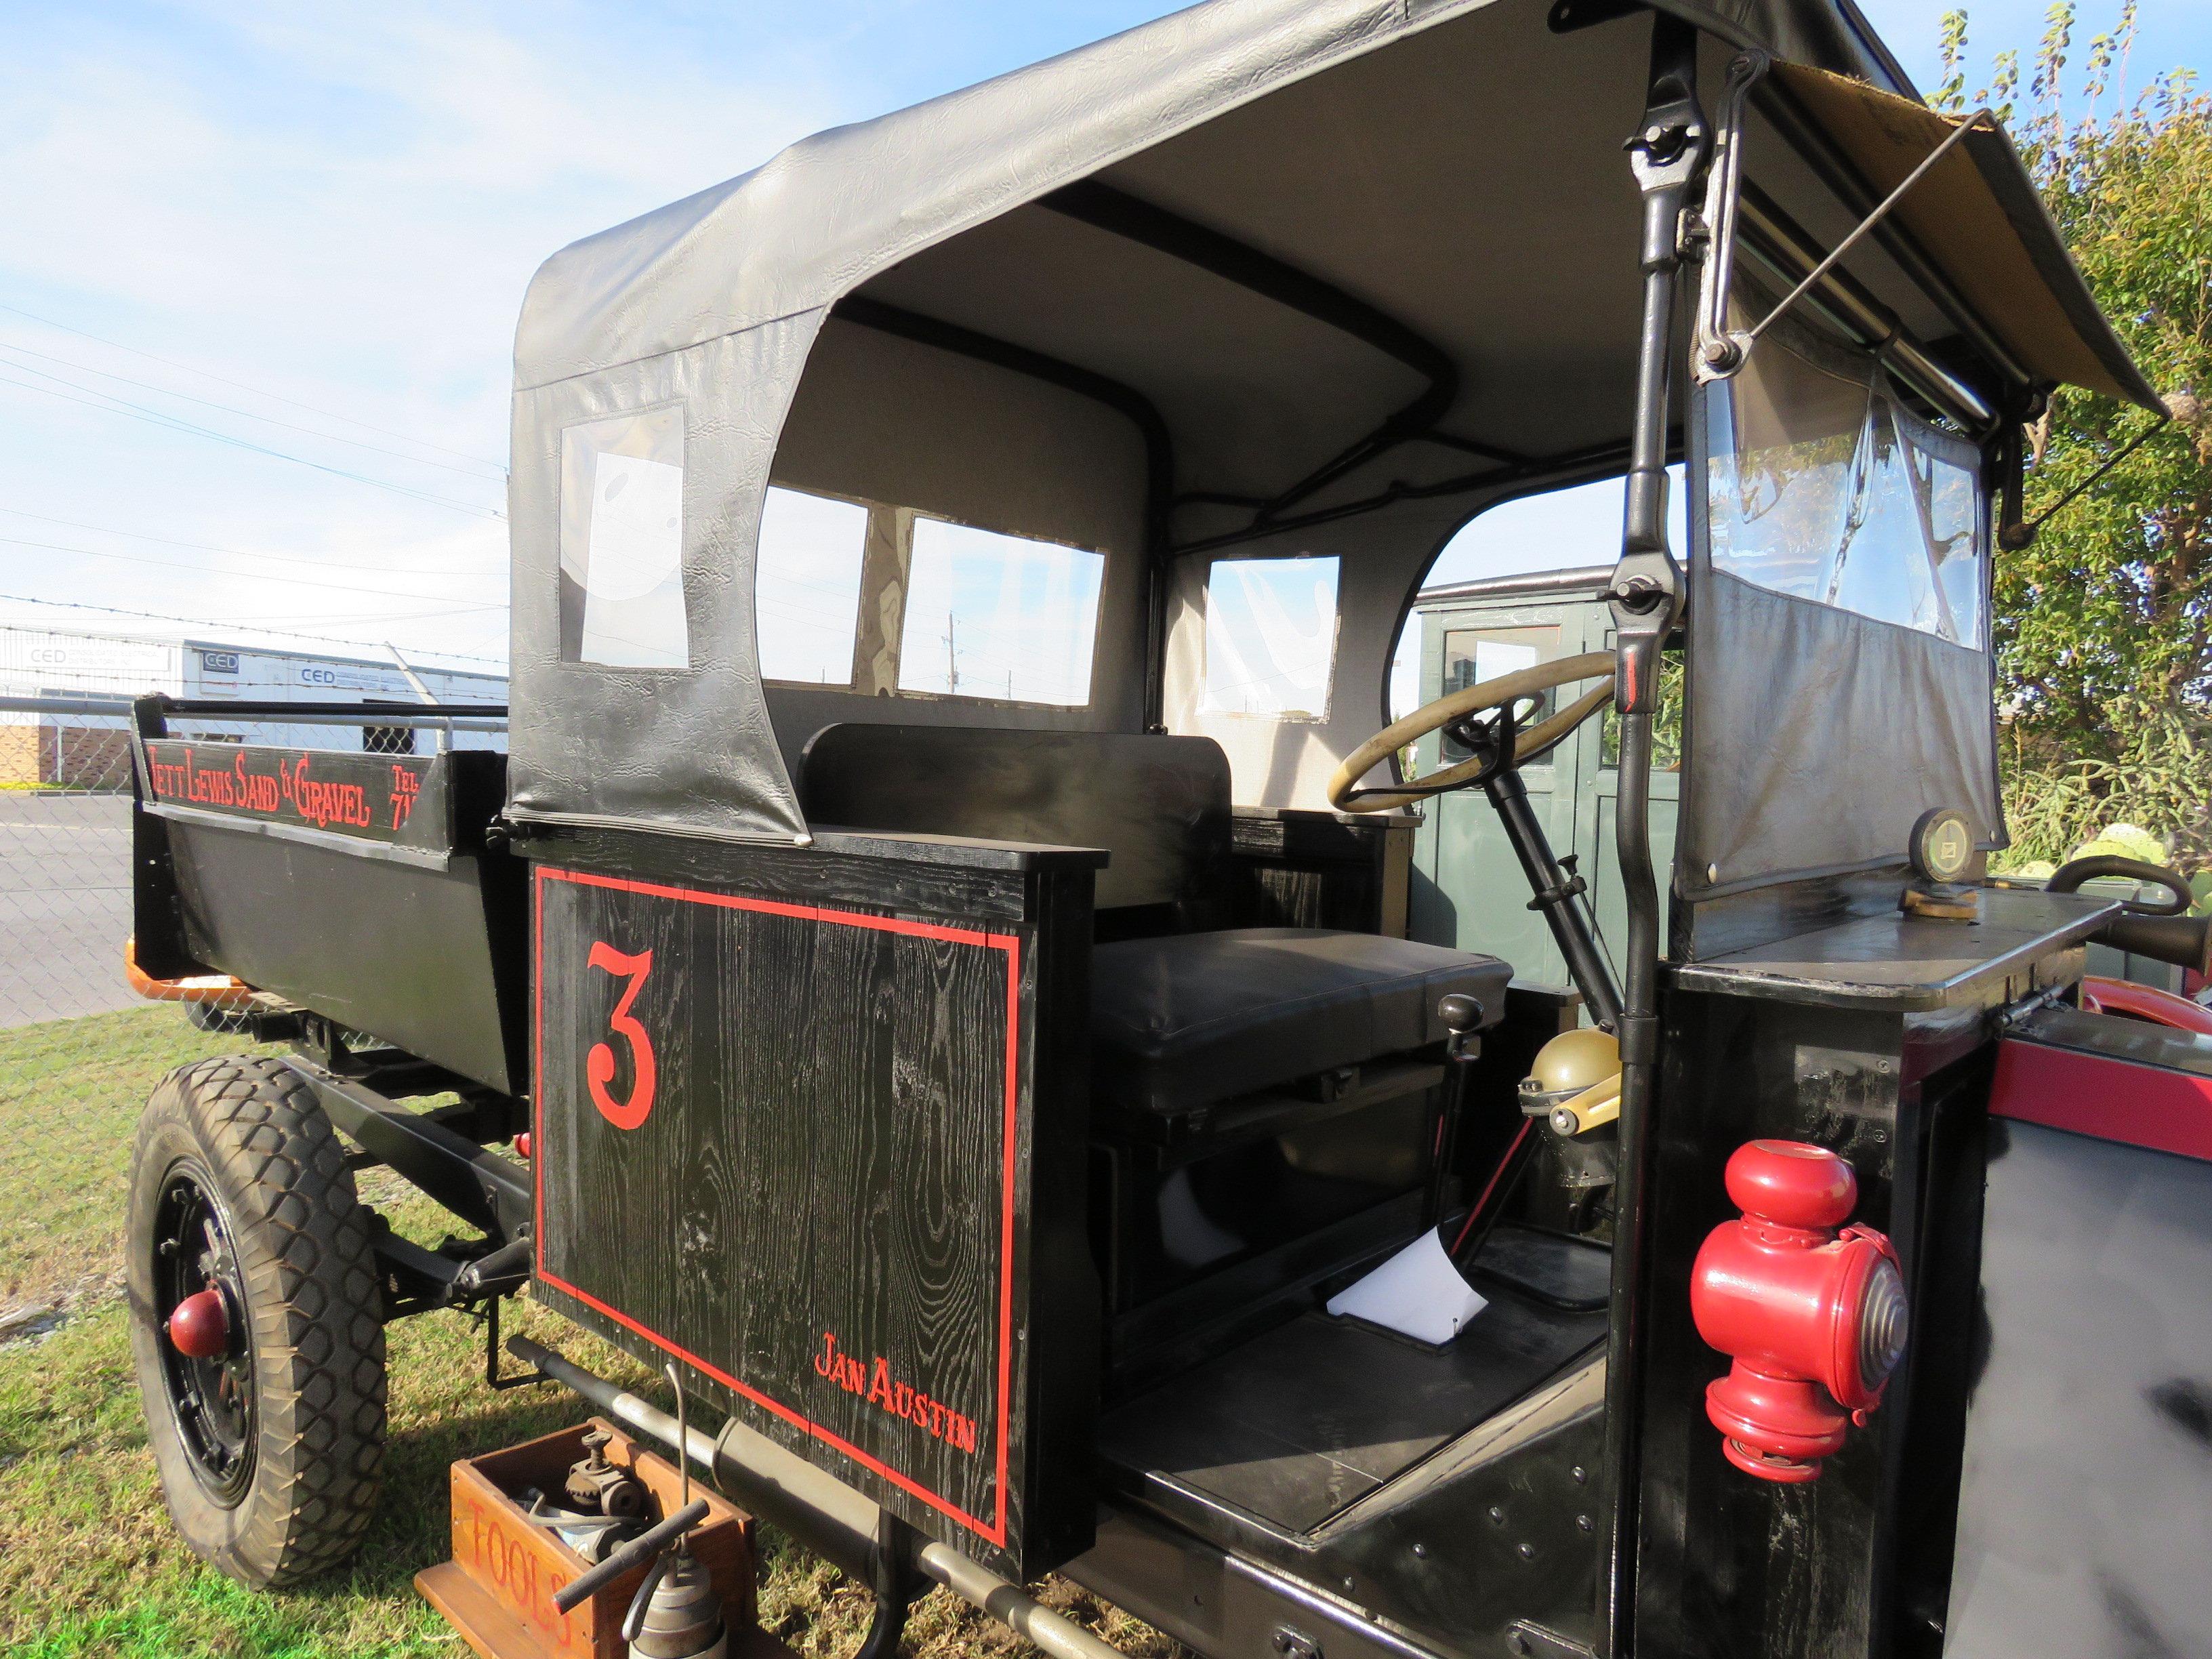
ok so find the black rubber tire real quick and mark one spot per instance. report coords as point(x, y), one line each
point(252, 1132)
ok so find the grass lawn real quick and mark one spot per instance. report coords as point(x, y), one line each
point(89, 1563)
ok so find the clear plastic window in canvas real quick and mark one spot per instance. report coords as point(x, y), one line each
point(1822, 487)
point(621, 542)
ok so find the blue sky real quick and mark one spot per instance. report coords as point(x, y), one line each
point(318, 220)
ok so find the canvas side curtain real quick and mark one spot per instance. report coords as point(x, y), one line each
point(1838, 633)
point(635, 503)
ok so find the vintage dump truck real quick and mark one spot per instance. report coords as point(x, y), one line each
point(931, 962)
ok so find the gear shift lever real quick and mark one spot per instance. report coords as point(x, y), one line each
point(1461, 1015)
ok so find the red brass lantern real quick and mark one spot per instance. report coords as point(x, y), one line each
point(1814, 1318)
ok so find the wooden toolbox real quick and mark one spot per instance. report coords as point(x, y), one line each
point(497, 1591)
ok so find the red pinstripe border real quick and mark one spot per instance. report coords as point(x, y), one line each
point(996, 1532)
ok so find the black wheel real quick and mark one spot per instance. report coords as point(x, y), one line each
point(266, 1409)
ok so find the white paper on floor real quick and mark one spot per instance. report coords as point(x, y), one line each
point(1417, 1293)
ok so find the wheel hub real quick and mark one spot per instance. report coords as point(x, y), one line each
point(200, 1328)
point(206, 1362)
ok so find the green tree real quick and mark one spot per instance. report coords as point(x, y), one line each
point(2104, 626)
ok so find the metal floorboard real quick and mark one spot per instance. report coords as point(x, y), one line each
point(1314, 1414)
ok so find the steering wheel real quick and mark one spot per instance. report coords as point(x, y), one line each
point(1499, 743)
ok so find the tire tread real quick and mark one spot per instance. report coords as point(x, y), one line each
point(307, 1247)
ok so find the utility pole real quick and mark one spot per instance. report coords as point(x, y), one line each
point(951, 657)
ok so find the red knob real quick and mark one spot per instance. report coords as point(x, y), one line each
point(199, 1327)
point(522, 1146)
point(1814, 1322)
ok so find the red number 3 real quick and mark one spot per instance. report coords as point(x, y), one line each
point(599, 1064)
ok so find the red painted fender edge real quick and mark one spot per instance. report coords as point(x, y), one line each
point(2131, 1002)
point(2104, 1097)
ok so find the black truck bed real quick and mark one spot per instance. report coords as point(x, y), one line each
point(360, 886)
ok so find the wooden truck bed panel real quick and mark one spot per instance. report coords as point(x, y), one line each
point(794, 1144)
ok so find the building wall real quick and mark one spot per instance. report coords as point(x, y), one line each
point(34, 660)
point(19, 754)
point(80, 756)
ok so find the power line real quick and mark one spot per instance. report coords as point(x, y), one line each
point(238, 552)
point(256, 628)
point(470, 472)
point(120, 406)
point(258, 391)
point(202, 570)
point(109, 403)
point(439, 614)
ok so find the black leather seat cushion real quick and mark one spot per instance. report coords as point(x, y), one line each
point(1181, 1021)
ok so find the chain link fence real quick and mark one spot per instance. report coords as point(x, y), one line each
point(80, 1047)
point(65, 834)
point(65, 857)
point(65, 1113)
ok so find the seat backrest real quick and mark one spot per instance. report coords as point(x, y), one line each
point(1159, 804)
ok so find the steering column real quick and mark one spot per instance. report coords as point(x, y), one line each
point(1486, 720)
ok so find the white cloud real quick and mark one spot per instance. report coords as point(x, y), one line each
point(341, 206)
